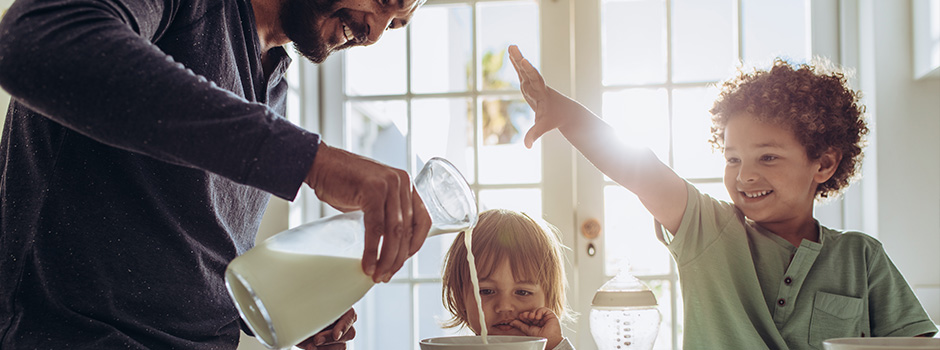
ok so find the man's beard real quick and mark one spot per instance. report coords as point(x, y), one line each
point(299, 20)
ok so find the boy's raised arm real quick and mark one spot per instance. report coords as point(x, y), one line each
point(660, 189)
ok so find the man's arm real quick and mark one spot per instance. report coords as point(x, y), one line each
point(90, 66)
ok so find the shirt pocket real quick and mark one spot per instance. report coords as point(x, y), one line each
point(834, 316)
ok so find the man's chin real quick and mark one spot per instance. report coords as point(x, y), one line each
point(315, 55)
point(319, 54)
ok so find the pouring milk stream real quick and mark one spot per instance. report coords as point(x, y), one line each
point(299, 281)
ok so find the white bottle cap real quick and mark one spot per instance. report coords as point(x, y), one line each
point(621, 298)
point(624, 290)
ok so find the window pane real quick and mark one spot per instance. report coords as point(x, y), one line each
point(633, 35)
point(693, 154)
point(293, 104)
point(430, 258)
point(703, 40)
point(378, 69)
point(441, 41)
point(680, 317)
point(630, 238)
point(527, 200)
point(294, 84)
point(774, 28)
point(432, 315)
point(378, 129)
point(502, 24)
point(503, 156)
point(442, 129)
point(661, 289)
point(640, 118)
point(405, 272)
point(388, 325)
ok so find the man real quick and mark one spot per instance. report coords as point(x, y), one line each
point(142, 143)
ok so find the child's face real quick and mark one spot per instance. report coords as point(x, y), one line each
point(503, 299)
point(767, 173)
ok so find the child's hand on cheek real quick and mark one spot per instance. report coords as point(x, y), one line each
point(541, 322)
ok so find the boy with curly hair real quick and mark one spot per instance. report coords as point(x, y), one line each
point(760, 272)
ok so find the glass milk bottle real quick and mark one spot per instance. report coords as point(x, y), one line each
point(624, 314)
point(294, 284)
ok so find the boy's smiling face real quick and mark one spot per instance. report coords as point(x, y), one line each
point(768, 174)
point(504, 298)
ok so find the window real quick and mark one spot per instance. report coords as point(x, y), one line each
point(443, 86)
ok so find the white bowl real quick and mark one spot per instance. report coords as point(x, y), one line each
point(495, 342)
point(882, 344)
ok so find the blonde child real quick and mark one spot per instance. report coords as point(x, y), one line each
point(520, 265)
point(760, 272)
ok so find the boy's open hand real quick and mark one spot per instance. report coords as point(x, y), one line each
point(541, 322)
point(538, 95)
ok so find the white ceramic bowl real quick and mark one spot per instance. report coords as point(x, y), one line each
point(882, 344)
point(495, 342)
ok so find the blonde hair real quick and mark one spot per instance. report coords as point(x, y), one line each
point(532, 248)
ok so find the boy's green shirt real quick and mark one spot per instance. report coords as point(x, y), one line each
point(744, 287)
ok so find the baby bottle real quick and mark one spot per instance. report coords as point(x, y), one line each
point(624, 314)
point(299, 281)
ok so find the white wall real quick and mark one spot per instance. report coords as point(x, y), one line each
point(906, 145)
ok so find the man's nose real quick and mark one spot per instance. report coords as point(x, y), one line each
point(378, 24)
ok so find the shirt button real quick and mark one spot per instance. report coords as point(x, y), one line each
point(781, 302)
point(787, 280)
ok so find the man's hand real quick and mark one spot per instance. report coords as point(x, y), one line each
point(333, 337)
point(393, 212)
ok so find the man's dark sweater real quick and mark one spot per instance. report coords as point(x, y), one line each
point(138, 152)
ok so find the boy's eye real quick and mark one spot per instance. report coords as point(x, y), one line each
point(732, 160)
point(523, 292)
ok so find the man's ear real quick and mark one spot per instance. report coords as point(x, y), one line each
point(827, 163)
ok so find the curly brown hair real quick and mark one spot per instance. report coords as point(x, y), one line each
point(813, 100)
